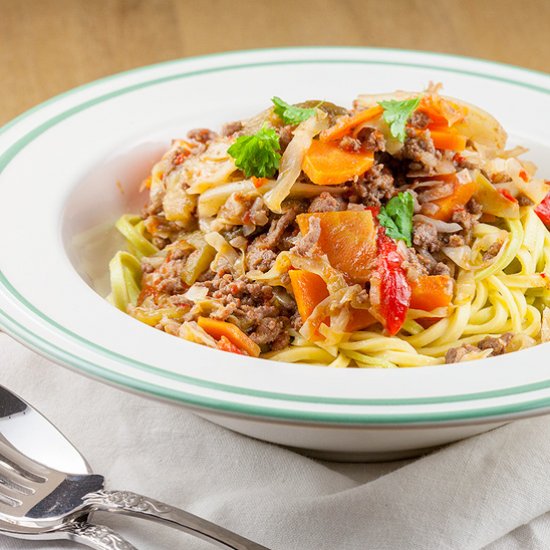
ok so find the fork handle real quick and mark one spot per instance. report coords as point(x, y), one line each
point(95, 536)
point(132, 504)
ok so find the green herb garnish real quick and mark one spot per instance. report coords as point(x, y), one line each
point(291, 114)
point(396, 217)
point(257, 155)
point(397, 114)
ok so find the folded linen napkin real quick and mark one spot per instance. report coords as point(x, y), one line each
point(491, 491)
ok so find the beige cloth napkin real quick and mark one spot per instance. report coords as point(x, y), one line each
point(491, 491)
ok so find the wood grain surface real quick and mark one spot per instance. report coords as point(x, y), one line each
point(48, 46)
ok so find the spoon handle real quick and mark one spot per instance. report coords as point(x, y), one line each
point(132, 504)
point(95, 536)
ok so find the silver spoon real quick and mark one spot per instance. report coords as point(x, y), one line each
point(47, 488)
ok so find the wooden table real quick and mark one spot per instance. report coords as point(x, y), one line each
point(48, 46)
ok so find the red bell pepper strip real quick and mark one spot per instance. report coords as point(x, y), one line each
point(395, 291)
point(543, 210)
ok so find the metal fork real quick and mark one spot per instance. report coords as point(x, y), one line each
point(47, 489)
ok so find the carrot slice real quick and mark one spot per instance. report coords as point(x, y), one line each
point(431, 291)
point(345, 125)
point(218, 329)
point(225, 344)
point(327, 164)
point(444, 139)
point(359, 320)
point(462, 193)
point(310, 290)
point(348, 239)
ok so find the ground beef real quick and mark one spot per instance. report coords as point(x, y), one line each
point(232, 128)
point(254, 308)
point(372, 139)
point(420, 150)
point(426, 237)
point(497, 345)
point(263, 250)
point(326, 202)
point(453, 240)
point(286, 133)
point(202, 135)
point(525, 201)
point(347, 143)
point(307, 243)
point(279, 226)
point(266, 328)
point(259, 255)
point(468, 217)
point(492, 251)
point(455, 355)
point(419, 120)
point(376, 186)
point(420, 263)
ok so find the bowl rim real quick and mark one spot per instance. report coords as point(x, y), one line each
point(12, 326)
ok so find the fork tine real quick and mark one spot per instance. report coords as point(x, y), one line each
point(8, 501)
point(10, 485)
point(11, 460)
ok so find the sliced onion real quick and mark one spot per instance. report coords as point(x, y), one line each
point(460, 255)
point(291, 163)
point(225, 253)
point(192, 332)
point(441, 226)
point(436, 192)
point(196, 293)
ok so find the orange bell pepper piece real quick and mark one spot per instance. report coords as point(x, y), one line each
point(345, 125)
point(327, 164)
point(348, 239)
point(219, 329)
point(310, 290)
point(431, 291)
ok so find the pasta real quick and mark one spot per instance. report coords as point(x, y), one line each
point(400, 233)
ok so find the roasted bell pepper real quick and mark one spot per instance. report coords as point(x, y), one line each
point(543, 210)
point(392, 287)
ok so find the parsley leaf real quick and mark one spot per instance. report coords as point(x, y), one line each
point(396, 217)
point(397, 113)
point(290, 114)
point(257, 155)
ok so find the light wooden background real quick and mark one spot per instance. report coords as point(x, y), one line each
point(48, 46)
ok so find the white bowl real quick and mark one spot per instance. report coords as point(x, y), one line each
point(72, 165)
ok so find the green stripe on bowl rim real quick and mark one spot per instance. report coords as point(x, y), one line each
point(52, 351)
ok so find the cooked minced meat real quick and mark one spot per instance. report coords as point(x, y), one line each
point(426, 237)
point(326, 202)
point(497, 345)
point(420, 150)
point(375, 186)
